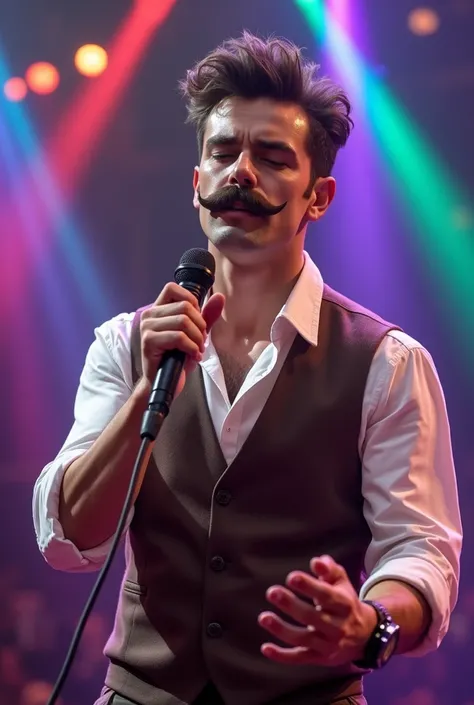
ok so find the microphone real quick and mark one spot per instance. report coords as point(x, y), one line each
point(195, 272)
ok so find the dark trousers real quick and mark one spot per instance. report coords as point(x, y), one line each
point(210, 696)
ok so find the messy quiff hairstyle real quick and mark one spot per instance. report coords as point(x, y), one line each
point(249, 67)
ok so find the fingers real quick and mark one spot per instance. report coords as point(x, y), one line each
point(326, 568)
point(172, 292)
point(175, 322)
point(176, 325)
point(296, 656)
point(331, 600)
point(155, 343)
point(323, 624)
point(316, 638)
point(176, 308)
point(293, 635)
point(323, 629)
point(306, 644)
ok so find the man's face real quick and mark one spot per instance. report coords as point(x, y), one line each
point(252, 178)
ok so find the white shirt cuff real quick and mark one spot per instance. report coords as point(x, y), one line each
point(440, 591)
point(59, 552)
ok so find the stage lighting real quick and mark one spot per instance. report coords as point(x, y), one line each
point(91, 60)
point(423, 21)
point(463, 218)
point(15, 89)
point(42, 78)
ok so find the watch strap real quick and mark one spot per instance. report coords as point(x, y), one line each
point(375, 655)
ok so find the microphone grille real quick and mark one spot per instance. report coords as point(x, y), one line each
point(198, 257)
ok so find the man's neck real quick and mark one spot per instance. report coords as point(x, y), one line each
point(254, 296)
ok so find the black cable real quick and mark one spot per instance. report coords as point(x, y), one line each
point(142, 458)
point(195, 273)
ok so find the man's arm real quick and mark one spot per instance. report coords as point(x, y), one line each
point(408, 608)
point(411, 507)
point(90, 498)
point(409, 486)
point(94, 486)
point(105, 387)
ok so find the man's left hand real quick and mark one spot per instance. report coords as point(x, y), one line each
point(335, 625)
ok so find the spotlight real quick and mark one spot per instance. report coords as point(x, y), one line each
point(15, 89)
point(423, 21)
point(91, 60)
point(42, 78)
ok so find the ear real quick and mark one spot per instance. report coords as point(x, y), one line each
point(196, 203)
point(322, 196)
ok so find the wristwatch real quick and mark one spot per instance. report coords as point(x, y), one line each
point(382, 642)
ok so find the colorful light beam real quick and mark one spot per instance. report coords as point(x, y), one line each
point(76, 140)
point(69, 151)
point(427, 192)
point(35, 204)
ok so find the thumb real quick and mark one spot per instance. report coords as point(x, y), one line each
point(213, 310)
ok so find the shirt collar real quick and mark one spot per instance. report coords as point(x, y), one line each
point(303, 306)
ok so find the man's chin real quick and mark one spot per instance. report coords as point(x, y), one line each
point(236, 238)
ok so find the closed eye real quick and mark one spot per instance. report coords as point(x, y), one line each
point(223, 156)
point(219, 157)
point(274, 163)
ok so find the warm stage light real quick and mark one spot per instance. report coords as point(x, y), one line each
point(42, 78)
point(423, 21)
point(91, 60)
point(15, 89)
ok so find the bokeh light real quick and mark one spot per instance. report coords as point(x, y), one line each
point(15, 89)
point(91, 60)
point(42, 78)
point(423, 21)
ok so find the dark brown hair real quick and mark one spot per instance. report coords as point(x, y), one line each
point(250, 67)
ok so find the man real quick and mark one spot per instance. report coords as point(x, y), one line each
point(298, 522)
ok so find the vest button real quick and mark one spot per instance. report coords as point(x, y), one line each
point(223, 497)
point(218, 563)
point(214, 630)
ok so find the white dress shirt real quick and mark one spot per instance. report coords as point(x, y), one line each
point(408, 479)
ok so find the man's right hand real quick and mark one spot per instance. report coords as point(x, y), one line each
point(95, 485)
point(175, 322)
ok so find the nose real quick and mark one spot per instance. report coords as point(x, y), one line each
point(243, 174)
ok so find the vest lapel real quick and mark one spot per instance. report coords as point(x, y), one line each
point(196, 394)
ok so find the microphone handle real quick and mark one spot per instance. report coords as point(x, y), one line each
point(166, 380)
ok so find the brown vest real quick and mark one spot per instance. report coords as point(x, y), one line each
point(208, 539)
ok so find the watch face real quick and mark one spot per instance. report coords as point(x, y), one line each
point(391, 637)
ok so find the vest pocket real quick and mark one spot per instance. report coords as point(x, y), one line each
point(134, 588)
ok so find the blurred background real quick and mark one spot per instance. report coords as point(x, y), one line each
point(95, 210)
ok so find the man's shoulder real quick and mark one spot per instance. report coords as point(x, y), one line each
point(118, 322)
point(116, 332)
point(396, 344)
point(335, 298)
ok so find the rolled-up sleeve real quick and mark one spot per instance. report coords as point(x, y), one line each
point(408, 481)
point(105, 385)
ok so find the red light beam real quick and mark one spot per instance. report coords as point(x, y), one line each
point(76, 139)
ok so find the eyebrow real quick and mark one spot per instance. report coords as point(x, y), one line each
point(221, 140)
point(231, 141)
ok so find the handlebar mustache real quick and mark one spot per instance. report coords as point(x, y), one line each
point(227, 197)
